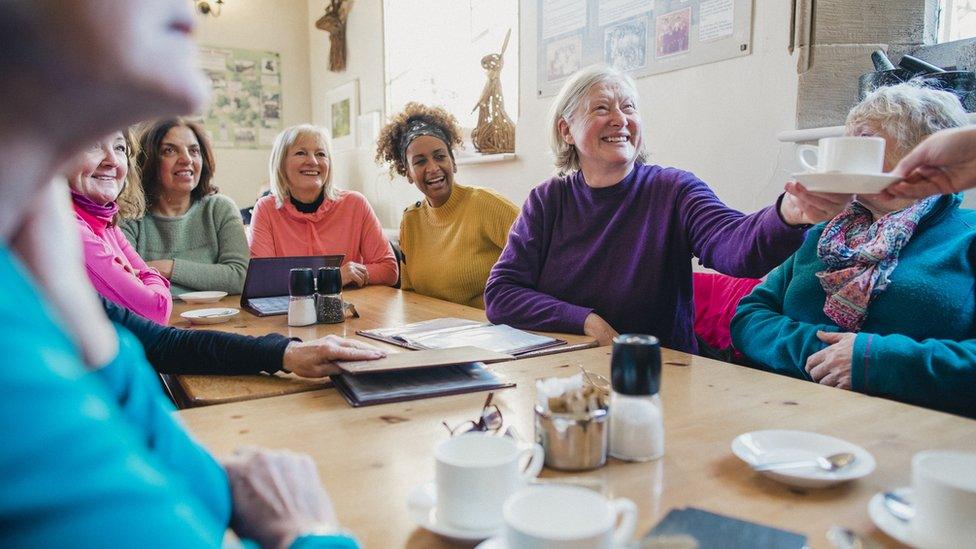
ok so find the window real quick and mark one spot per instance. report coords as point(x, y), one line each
point(433, 51)
point(957, 20)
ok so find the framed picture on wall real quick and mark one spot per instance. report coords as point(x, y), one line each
point(343, 111)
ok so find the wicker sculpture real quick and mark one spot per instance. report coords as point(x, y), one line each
point(334, 23)
point(495, 132)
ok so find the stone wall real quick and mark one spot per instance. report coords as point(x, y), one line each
point(844, 34)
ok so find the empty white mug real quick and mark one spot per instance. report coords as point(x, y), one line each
point(944, 483)
point(864, 155)
point(476, 472)
point(567, 517)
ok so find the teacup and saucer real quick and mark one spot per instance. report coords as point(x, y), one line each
point(941, 502)
point(475, 474)
point(849, 165)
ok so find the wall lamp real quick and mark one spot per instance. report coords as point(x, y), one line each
point(209, 7)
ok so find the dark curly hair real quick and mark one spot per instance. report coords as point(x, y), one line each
point(148, 158)
point(388, 144)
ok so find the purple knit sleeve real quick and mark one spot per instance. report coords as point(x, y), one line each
point(511, 296)
point(727, 240)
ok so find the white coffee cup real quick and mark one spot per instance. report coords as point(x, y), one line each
point(844, 154)
point(476, 472)
point(944, 483)
point(567, 517)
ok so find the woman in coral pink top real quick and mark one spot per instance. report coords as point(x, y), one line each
point(307, 215)
point(115, 269)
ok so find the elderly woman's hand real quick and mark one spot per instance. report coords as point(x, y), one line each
point(277, 496)
point(164, 266)
point(316, 358)
point(354, 273)
point(800, 206)
point(944, 163)
point(832, 364)
point(595, 326)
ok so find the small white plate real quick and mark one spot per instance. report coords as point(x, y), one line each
point(888, 523)
point(850, 183)
point(760, 447)
point(497, 542)
point(422, 504)
point(210, 316)
point(202, 297)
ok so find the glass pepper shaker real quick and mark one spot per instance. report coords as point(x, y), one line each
point(301, 304)
point(636, 415)
point(328, 296)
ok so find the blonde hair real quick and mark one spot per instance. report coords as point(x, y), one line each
point(279, 153)
point(132, 198)
point(566, 103)
point(908, 113)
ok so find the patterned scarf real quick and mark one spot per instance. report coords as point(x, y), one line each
point(860, 254)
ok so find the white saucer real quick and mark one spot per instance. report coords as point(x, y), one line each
point(886, 522)
point(210, 316)
point(422, 505)
point(497, 542)
point(760, 447)
point(836, 182)
point(202, 297)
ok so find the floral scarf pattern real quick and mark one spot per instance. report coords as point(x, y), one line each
point(860, 254)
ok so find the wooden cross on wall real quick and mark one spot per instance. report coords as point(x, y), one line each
point(334, 23)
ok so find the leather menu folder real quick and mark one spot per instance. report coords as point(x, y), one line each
point(423, 359)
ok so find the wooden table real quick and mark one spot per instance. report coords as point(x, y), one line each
point(370, 458)
point(378, 306)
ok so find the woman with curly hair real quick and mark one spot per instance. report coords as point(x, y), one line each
point(450, 239)
point(189, 233)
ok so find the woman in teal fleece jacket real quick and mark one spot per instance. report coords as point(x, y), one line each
point(92, 454)
point(916, 341)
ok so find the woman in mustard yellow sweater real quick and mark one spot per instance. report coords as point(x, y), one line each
point(451, 239)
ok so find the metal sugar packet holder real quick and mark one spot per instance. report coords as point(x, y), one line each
point(575, 441)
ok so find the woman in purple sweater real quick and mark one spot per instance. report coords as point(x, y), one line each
point(606, 245)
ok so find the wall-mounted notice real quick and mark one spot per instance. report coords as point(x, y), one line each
point(245, 107)
point(643, 37)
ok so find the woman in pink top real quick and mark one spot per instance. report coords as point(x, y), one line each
point(307, 215)
point(115, 269)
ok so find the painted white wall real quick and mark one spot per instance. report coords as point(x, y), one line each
point(273, 25)
point(717, 120)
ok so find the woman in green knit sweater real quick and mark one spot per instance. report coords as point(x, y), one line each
point(452, 238)
point(191, 235)
point(881, 298)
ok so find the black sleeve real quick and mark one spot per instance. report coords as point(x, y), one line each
point(176, 351)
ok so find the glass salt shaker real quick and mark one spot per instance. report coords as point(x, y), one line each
point(328, 296)
point(636, 415)
point(301, 304)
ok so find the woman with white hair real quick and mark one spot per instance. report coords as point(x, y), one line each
point(605, 247)
point(307, 215)
point(880, 298)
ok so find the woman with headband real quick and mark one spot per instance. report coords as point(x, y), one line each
point(450, 239)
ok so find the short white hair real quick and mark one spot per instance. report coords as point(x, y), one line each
point(907, 113)
point(566, 103)
point(280, 186)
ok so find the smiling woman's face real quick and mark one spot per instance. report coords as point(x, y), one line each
point(431, 168)
point(101, 169)
point(605, 129)
point(307, 167)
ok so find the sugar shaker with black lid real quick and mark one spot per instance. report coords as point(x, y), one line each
point(328, 296)
point(636, 418)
